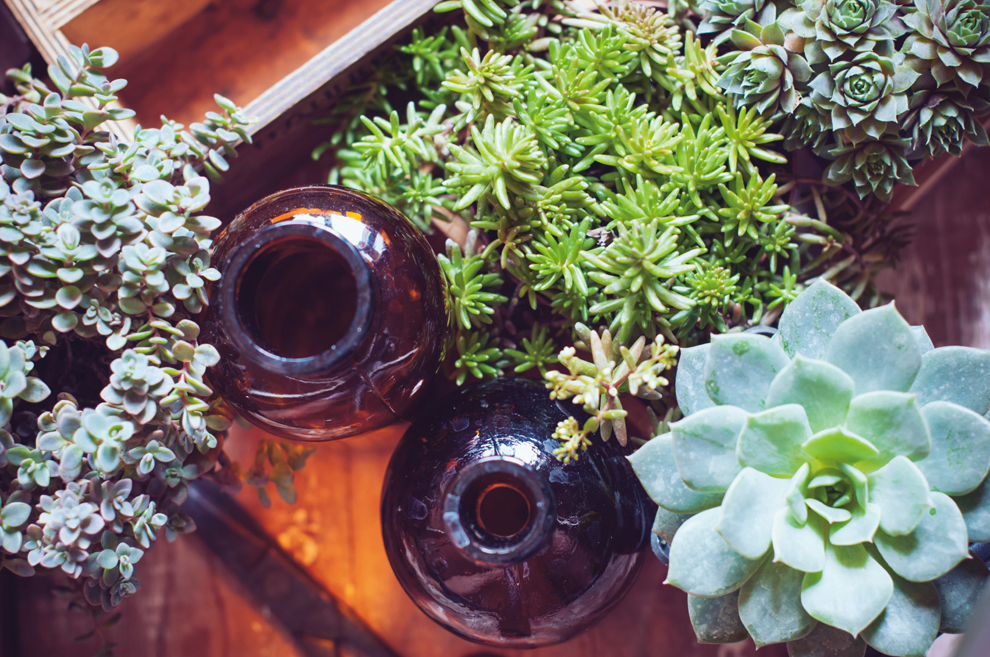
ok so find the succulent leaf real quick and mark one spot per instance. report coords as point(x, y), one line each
point(800, 545)
point(892, 422)
point(959, 593)
point(877, 349)
point(705, 448)
point(821, 388)
point(924, 342)
point(839, 445)
point(740, 368)
point(770, 605)
point(809, 322)
point(666, 523)
point(691, 394)
point(954, 374)
point(829, 641)
point(716, 620)
point(850, 592)
point(909, 623)
point(748, 511)
point(901, 492)
point(705, 564)
point(771, 441)
point(935, 547)
point(975, 508)
point(960, 455)
point(654, 464)
point(859, 529)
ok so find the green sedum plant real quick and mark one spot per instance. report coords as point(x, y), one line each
point(824, 484)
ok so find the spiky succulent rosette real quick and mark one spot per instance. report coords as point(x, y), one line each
point(950, 39)
point(832, 27)
point(942, 120)
point(763, 72)
point(864, 94)
point(874, 166)
point(824, 484)
point(722, 16)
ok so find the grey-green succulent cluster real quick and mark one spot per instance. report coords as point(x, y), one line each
point(872, 81)
point(604, 178)
point(824, 485)
point(103, 239)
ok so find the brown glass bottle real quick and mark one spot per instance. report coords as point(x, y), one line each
point(493, 537)
point(330, 316)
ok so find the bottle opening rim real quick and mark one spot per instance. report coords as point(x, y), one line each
point(242, 258)
point(488, 535)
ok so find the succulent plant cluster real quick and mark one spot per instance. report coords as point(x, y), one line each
point(870, 84)
point(103, 242)
point(824, 485)
point(605, 178)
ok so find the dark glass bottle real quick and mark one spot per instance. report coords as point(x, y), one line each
point(497, 540)
point(330, 316)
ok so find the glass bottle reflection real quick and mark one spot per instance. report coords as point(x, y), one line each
point(497, 540)
point(330, 316)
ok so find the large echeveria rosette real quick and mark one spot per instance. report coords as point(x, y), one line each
point(824, 484)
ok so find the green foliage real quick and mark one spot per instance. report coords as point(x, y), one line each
point(905, 79)
point(828, 468)
point(104, 239)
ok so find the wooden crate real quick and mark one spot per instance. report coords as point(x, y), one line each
point(267, 55)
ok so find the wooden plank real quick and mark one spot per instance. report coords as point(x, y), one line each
point(127, 26)
point(59, 13)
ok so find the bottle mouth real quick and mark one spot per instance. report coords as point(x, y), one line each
point(499, 511)
point(296, 298)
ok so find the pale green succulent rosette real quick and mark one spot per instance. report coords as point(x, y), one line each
point(833, 27)
point(950, 39)
point(763, 72)
point(824, 485)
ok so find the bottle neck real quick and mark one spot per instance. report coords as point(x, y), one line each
point(296, 298)
point(499, 511)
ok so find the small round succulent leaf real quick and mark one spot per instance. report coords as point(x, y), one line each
point(821, 388)
point(902, 493)
point(771, 441)
point(924, 342)
point(839, 445)
point(909, 623)
point(666, 523)
point(654, 465)
point(690, 383)
point(859, 529)
point(702, 563)
point(959, 591)
point(705, 447)
point(877, 349)
point(960, 375)
point(716, 620)
point(770, 605)
point(808, 322)
point(825, 477)
point(799, 545)
point(850, 591)
point(827, 641)
point(960, 455)
point(739, 369)
point(748, 510)
point(975, 508)
point(829, 514)
point(893, 423)
point(934, 548)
